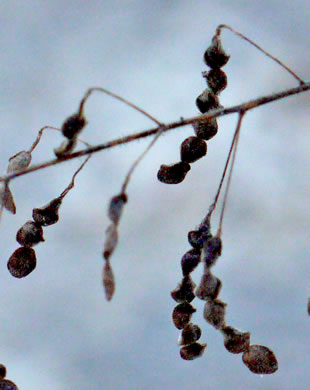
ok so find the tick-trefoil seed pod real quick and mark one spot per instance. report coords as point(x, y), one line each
point(212, 249)
point(110, 242)
point(207, 101)
point(197, 237)
point(6, 198)
point(192, 351)
point(216, 79)
point(214, 313)
point(206, 128)
point(190, 334)
point(190, 260)
point(184, 291)
point(22, 262)
point(116, 207)
point(19, 162)
point(2, 371)
point(215, 56)
point(108, 280)
point(235, 341)
point(48, 214)
point(73, 125)
point(182, 314)
point(173, 174)
point(6, 384)
point(65, 147)
point(260, 360)
point(209, 287)
point(30, 234)
point(192, 149)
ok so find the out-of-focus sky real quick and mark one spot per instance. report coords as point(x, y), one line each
point(57, 330)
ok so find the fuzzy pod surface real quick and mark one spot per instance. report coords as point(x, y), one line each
point(22, 262)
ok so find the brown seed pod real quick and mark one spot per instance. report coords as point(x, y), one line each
point(19, 161)
point(260, 360)
point(235, 341)
point(65, 148)
point(190, 260)
point(108, 281)
point(190, 334)
point(216, 79)
point(197, 237)
point(184, 291)
point(207, 101)
point(48, 214)
point(6, 198)
point(173, 174)
point(192, 149)
point(22, 262)
point(2, 371)
point(182, 314)
point(111, 240)
point(116, 207)
point(30, 234)
point(209, 287)
point(212, 249)
point(215, 56)
point(192, 351)
point(5, 384)
point(214, 313)
point(206, 128)
point(73, 125)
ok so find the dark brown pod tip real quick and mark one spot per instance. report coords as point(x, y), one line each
point(190, 334)
point(209, 287)
point(190, 260)
point(206, 128)
point(212, 249)
point(48, 214)
point(65, 147)
point(30, 234)
point(192, 351)
point(22, 262)
point(260, 360)
point(73, 125)
point(207, 101)
point(235, 341)
point(5, 384)
point(2, 371)
point(214, 313)
point(182, 314)
point(215, 56)
point(184, 291)
point(192, 149)
point(116, 207)
point(216, 79)
point(173, 174)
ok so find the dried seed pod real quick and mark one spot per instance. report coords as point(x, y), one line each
point(216, 79)
point(19, 161)
point(207, 101)
point(212, 249)
point(48, 214)
point(73, 125)
point(65, 148)
point(184, 291)
point(108, 280)
point(209, 287)
point(6, 384)
point(116, 207)
point(2, 371)
point(6, 198)
point(215, 56)
point(197, 237)
point(110, 242)
point(235, 341)
point(190, 260)
point(173, 174)
point(22, 262)
point(214, 313)
point(206, 128)
point(182, 314)
point(192, 149)
point(30, 234)
point(260, 360)
point(192, 351)
point(190, 334)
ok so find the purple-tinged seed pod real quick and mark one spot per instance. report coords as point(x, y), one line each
point(206, 128)
point(190, 260)
point(182, 314)
point(19, 161)
point(260, 360)
point(6, 384)
point(111, 240)
point(185, 290)
point(47, 215)
point(215, 56)
point(192, 149)
point(30, 234)
point(190, 334)
point(235, 341)
point(214, 313)
point(73, 125)
point(173, 174)
point(216, 79)
point(22, 262)
point(116, 207)
point(108, 280)
point(209, 287)
point(212, 249)
point(206, 101)
point(192, 351)
point(2, 371)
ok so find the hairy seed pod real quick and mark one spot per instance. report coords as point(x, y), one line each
point(190, 334)
point(214, 313)
point(2, 371)
point(73, 125)
point(173, 174)
point(197, 237)
point(6, 198)
point(65, 148)
point(216, 79)
point(184, 291)
point(212, 249)
point(190, 260)
point(260, 360)
point(48, 214)
point(108, 280)
point(116, 207)
point(110, 242)
point(30, 234)
point(206, 128)
point(19, 162)
point(209, 287)
point(215, 56)
point(192, 351)
point(6, 384)
point(192, 149)
point(182, 314)
point(22, 262)
point(207, 101)
point(235, 341)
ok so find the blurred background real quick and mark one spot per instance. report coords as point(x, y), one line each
point(57, 330)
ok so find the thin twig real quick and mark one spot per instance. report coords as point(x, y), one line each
point(34, 145)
